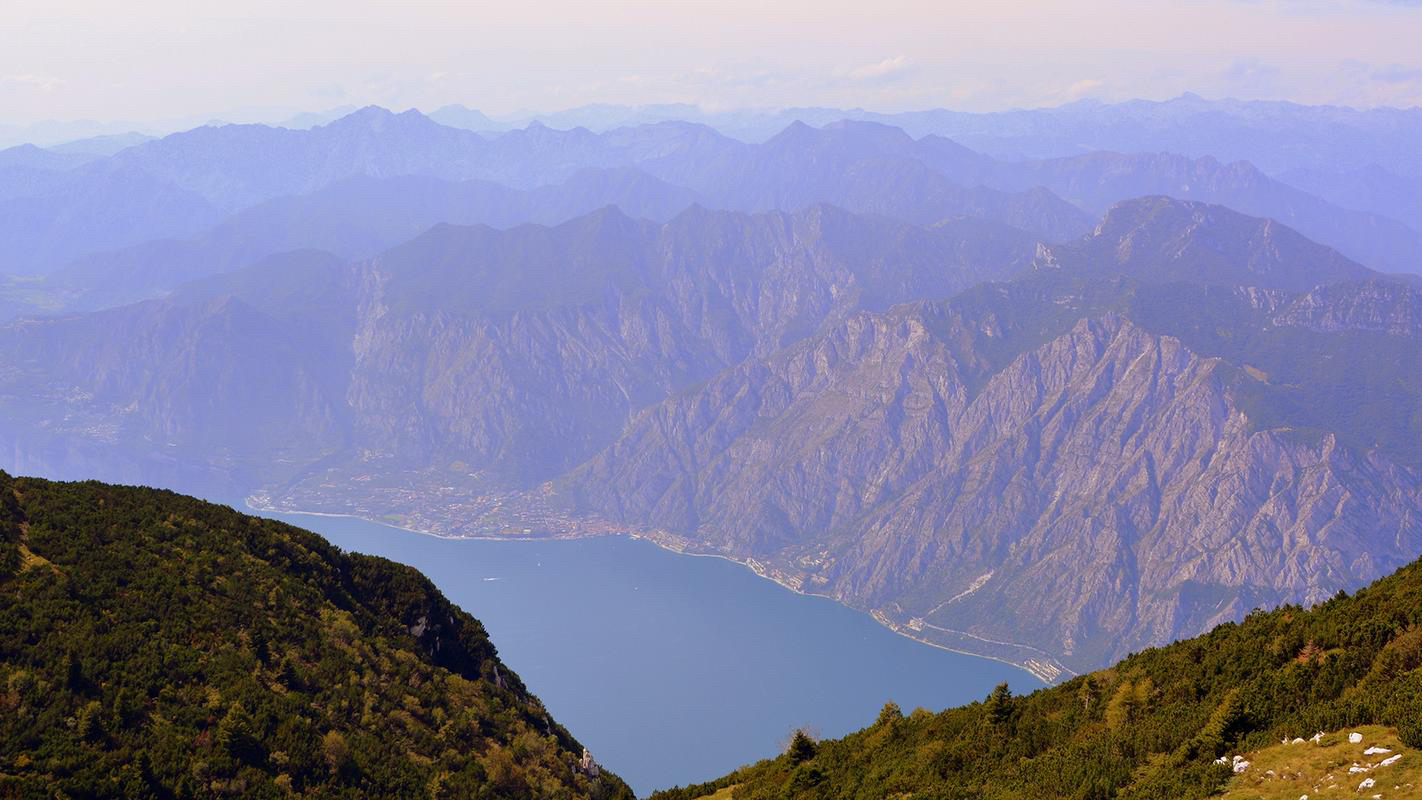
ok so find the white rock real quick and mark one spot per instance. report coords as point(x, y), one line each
point(1297, 741)
point(1367, 783)
point(1355, 737)
point(1224, 760)
point(1389, 761)
point(1240, 766)
point(1317, 738)
point(1355, 769)
point(1374, 750)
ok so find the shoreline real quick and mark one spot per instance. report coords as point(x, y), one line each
point(1046, 676)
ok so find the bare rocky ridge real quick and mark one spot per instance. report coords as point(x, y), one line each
point(1376, 306)
point(1100, 494)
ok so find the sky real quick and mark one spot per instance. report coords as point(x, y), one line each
point(151, 61)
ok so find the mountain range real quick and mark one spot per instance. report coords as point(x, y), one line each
point(537, 341)
point(1048, 406)
point(990, 442)
point(66, 211)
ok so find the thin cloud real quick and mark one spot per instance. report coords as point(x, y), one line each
point(889, 67)
point(44, 83)
point(1395, 73)
point(1082, 88)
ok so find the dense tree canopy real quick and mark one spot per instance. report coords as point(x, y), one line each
point(152, 645)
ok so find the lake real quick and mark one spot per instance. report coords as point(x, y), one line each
point(674, 669)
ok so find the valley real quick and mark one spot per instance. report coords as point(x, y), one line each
point(670, 666)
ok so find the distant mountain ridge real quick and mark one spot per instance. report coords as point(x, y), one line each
point(61, 203)
point(353, 218)
point(60, 216)
point(1099, 180)
point(1277, 136)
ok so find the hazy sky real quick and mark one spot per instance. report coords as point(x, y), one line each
point(150, 60)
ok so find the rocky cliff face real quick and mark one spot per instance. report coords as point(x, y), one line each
point(1100, 493)
point(1373, 306)
point(528, 350)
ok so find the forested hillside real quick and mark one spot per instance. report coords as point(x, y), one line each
point(153, 645)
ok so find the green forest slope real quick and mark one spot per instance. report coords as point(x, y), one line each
point(152, 645)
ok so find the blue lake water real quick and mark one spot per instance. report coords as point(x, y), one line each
point(673, 669)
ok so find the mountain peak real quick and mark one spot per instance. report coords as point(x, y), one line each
point(1150, 210)
point(1165, 239)
point(793, 134)
point(608, 215)
point(377, 118)
point(367, 113)
point(461, 116)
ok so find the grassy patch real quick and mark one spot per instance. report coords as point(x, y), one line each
point(31, 560)
point(1291, 771)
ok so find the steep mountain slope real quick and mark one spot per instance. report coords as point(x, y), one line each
point(155, 645)
point(517, 352)
point(1018, 471)
point(909, 463)
point(534, 345)
point(1170, 722)
point(1164, 239)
